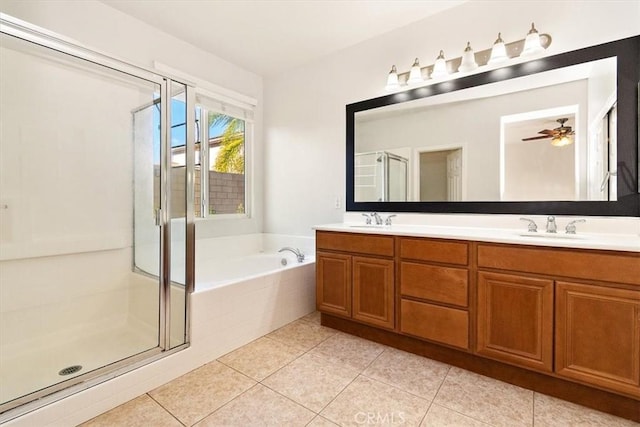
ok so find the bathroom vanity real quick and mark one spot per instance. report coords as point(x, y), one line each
point(558, 313)
point(560, 318)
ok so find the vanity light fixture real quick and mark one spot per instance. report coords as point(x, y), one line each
point(468, 63)
point(415, 75)
point(392, 79)
point(440, 67)
point(532, 45)
point(498, 51)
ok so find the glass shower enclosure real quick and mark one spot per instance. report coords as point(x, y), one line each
point(96, 242)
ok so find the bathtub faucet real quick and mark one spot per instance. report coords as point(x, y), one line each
point(296, 251)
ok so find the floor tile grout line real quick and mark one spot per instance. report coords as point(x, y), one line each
point(350, 382)
point(462, 413)
point(293, 360)
point(290, 399)
point(442, 382)
point(238, 371)
point(318, 415)
point(397, 386)
point(407, 391)
point(359, 372)
point(533, 410)
point(233, 398)
point(289, 343)
point(225, 404)
point(162, 406)
point(334, 398)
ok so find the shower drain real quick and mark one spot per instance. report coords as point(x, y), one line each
point(70, 370)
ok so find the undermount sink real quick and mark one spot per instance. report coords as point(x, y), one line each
point(369, 226)
point(560, 236)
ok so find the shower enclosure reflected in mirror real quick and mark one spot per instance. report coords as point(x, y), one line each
point(381, 176)
point(554, 135)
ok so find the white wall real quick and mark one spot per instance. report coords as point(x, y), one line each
point(110, 31)
point(304, 107)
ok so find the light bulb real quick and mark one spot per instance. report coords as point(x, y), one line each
point(498, 52)
point(561, 141)
point(440, 67)
point(392, 79)
point(532, 44)
point(415, 75)
point(468, 63)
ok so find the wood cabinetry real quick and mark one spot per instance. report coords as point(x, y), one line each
point(333, 283)
point(568, 318)
point(434, 290)
point(596, 326)
point(373, 289)
point(355, 277)
point(598, 335)
point(515, 319)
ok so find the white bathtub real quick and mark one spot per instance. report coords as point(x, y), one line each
point(225, 260)
point(243, 291)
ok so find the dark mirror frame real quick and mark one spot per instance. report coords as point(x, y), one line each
point(627, 52)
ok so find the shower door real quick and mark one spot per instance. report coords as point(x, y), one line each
point(87, 236)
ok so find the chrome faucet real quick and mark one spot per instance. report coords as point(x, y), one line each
point(377, 217)
point(551, 224)
point(367, 217)
point(571, 227)
point(388, 220)
point(532, 227)
point(296, 251)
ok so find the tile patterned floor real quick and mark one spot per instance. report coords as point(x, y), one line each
point(304, 374)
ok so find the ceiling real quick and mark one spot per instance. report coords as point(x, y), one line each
point(270, 36)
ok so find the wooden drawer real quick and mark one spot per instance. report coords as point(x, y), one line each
point(355, 243)
point(449, 252)
point(620, 267)
point(440, 284)
point(441, 324)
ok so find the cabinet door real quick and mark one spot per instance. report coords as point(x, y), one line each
point(515, 320)
point(333, 283)
point(373, 296)
point(598, 336)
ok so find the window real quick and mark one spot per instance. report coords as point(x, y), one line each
point(224, 135)
point(220, 165)
point(221, 178)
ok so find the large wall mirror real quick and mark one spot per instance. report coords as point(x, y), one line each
point(557, 135)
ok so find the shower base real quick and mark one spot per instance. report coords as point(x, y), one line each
point(40, 367)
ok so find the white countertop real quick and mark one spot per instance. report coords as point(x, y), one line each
point(580, 240)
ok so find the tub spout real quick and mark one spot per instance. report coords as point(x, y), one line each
point(296, 251)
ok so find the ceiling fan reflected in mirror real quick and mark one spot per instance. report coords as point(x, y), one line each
point(560, 136)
